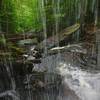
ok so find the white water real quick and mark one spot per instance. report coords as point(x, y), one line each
point(85, 84)
point(43, 19)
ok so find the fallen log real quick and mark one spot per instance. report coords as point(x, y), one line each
point(51, 41)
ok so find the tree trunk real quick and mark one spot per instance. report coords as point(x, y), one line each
point(0, 4)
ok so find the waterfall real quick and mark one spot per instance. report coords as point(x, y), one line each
point(96, 12)
point(57, 12)
point(8, 65)
point(85, 84)
point(43, 18)
point(77, 18)
point(9, 69)
point(66, 62)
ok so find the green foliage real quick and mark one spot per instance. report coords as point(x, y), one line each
point(18, 16)
point(23, 15)
point(7, 16)
point(27, 15)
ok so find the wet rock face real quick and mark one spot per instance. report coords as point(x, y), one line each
point(33, 55)
point(4, 79)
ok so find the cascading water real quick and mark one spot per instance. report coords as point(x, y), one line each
point(8, 66)
point(77, 84)
point(43, 18)
point(57, 12)
point(96, 12)
point(85, 84)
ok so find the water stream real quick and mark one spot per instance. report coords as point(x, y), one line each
point(77, 83)
point(84, 84)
